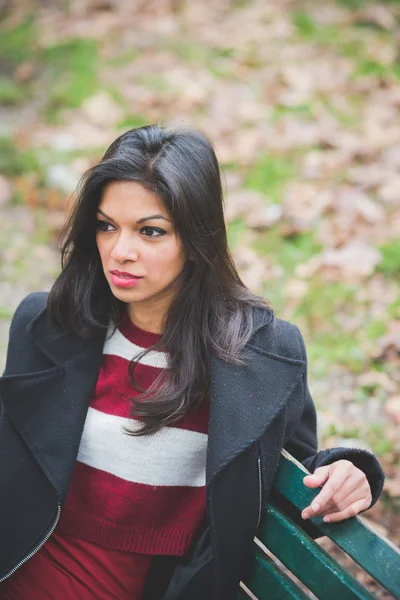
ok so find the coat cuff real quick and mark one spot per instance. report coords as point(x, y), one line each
point(362, 459)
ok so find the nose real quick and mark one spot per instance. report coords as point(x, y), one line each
point(124, 249)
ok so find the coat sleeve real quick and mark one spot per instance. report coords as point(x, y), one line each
point(303, 445)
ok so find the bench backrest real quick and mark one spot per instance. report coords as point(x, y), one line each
point(280, 536)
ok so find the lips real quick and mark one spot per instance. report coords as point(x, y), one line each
point(122, 279)
point(125, 275)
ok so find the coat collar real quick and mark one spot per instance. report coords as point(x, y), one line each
point(243, 402)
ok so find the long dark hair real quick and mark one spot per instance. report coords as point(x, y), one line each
point(213, 312)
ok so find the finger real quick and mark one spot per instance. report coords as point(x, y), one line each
point(319, 477)
point(354, 488)
point(338, 475)
point(335, 503)
point(350, 511)
point(339, 504)
point(332, 487)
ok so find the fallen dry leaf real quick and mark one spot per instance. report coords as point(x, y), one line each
point(377, 378)
point(5, 191)
point(304, 202)
point(101, 110)
point(392, 486)
point(392, 408)
point(240, 202)
point(352, 262)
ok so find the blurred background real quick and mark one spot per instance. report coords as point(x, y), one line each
point(301, 100)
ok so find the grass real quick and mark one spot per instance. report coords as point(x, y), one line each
point(353, 4)
point(390, 263)
point(131, 122)
point(235, 230)
point(155, 83)
point(15, 162)
point(287, 252)
point(17, 44)
point(324, 301)
point(335, 348)
point(42, 234)
point(122, 59)
point(347, 118)
point(356, 4)
point(375, 329)
point(11, 92)
point(348, 42)
point(370, 67)
point(187, 50)
point(68, 70)
point(311, 30)
point(320, 313)
point(393, 309)
point(5, 314)
point(301, 110)
point(269, 175)
point(376, 438)
point(71, 71)
point(219, 60)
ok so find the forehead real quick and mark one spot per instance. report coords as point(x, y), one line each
point(130, 198)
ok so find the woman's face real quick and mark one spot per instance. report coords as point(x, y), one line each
point(141, 255)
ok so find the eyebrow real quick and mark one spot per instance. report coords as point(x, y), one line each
point(142, 220)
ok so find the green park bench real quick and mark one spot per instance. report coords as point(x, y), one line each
point(280, 536)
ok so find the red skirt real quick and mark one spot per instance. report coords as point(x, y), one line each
point(67, 568)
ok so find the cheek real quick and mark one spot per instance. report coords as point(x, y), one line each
point(169, 260)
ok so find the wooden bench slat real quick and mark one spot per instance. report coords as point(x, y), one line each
point(375, 553)
point(241, 595)
point(267, 581)
point(305, 559)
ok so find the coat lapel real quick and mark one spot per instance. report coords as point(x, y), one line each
point(245, 401)
point(48, 407)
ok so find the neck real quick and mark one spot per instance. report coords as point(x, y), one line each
point(150, 315)
point(151, 321)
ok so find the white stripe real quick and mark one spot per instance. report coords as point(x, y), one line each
point(170, 457)
point(118, 345)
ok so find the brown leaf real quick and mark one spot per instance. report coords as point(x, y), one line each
point(392, 408)
point(253, 270)
point(377, 15)
point(241, 202)
point(264, 217)
point(377, 378)
point(5, 191)
point(392, 486)
point(354, 261)
point(304, 202)
point(101, 110)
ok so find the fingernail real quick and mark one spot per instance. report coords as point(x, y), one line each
point(315, 506)
point(326, 519)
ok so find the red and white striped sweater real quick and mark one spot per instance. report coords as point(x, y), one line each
point(141, 494)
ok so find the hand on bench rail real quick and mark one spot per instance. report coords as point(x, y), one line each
point(345, 492)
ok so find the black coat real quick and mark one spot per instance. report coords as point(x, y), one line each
point(255, 411)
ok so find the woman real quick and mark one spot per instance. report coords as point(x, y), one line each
point(146, 400)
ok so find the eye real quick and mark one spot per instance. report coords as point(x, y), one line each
point(103, 225)
point(152, 232)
